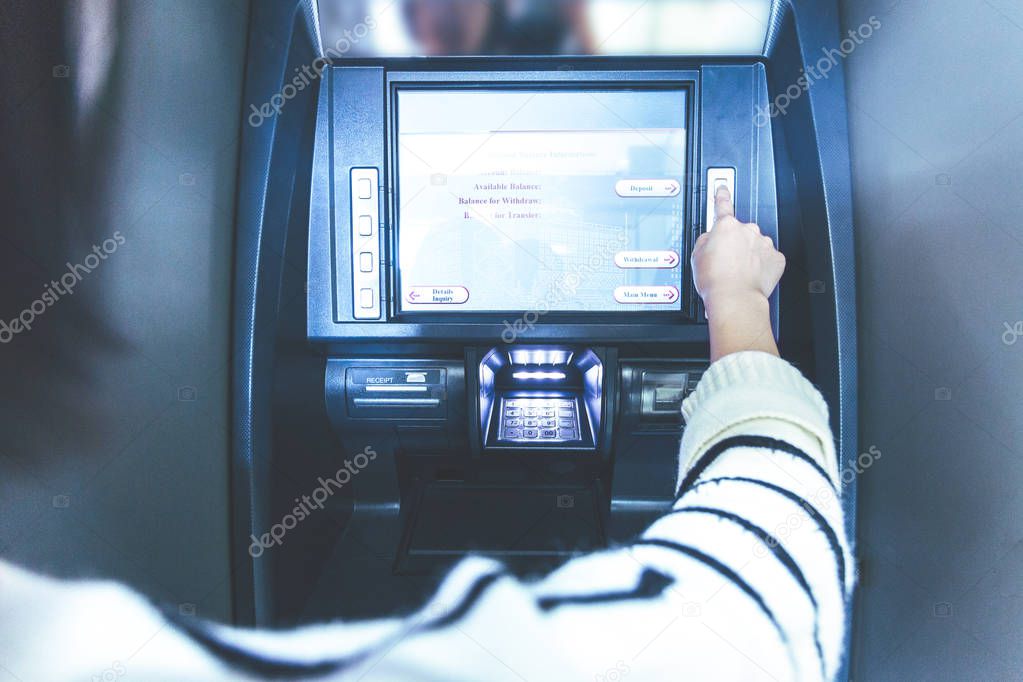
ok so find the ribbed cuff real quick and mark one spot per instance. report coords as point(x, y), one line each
point(753, 385)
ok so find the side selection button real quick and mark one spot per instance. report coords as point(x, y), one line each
point(717, 177)
point(365, 262)
point(647, 259)
point(434, 295)
point(365, 223)
point(646, 294)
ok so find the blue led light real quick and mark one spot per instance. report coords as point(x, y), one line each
point(540, 356)
point(547, 376)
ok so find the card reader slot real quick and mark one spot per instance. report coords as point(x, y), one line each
point(391, 402)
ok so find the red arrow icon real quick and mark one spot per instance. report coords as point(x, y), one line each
point(671, 260)
point(670, 294)
point(413, 296)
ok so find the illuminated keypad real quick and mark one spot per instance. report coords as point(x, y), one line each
point(539, 420)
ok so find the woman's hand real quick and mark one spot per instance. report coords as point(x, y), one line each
point(735, 269)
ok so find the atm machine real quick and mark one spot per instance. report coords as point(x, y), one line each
point(464, 312)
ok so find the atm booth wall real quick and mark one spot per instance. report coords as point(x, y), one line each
point(426, 479)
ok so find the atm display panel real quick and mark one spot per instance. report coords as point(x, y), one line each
point(565, 199)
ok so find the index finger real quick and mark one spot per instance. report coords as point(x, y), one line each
point(723, 203)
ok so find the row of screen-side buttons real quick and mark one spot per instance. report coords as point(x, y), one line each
point(365, 244)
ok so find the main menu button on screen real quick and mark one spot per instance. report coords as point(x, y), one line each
point(646, 294)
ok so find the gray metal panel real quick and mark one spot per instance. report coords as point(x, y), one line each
point(730, 137)
point(357, 116)
point(936, 123)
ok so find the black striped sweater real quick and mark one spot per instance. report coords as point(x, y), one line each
point(748, 577)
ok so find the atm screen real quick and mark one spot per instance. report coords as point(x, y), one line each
point(528, 200)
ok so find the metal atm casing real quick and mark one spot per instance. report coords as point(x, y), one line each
point(282, 338)
point(645, 354)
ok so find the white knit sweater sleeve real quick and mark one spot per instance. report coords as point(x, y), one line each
point(747, 577)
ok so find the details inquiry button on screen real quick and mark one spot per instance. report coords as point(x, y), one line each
point(646, 294)
point(647, 259)
point(427, 295)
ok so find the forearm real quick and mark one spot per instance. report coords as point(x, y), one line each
point(739, 322)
